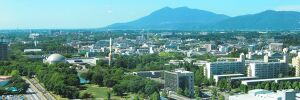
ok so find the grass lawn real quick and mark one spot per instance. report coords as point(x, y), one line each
point(100, 92)
point(96, 91)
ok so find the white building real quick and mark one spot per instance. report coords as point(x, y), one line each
point(260, 94)
point(225, 67)
point(268, 69)
point(296, 64)
point(276, 80)
point(32, 50)
point(275, 46)
point(55, 58)
point(225, 76)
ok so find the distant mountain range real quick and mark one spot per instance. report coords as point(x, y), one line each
point(184, 18)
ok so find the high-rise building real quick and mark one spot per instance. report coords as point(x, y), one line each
point(3, 50)
point(296, 64)
point(179, 79)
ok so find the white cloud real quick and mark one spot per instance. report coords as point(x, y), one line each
point(289, 8)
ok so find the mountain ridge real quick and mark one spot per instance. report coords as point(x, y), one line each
point(184, 18)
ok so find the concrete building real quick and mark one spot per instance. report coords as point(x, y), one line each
point(151, 74)
point(226, 76)
point(3, 50)
point(276, 80)
point(268, 69)
point(32, 50)
point(208, 47)
point(179, 79)
point(296, 64)
point(260, 94)
point(225, 67)
point(276, 47)
point(82, 61)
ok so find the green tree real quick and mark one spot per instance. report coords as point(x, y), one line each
point(288, 85)
point(119, 90)
point(258, 86)
point(268, 86)
point(197, 92)
point(15, 73)
point(221, 97)
point(214, 93)
point(85, 95)
point(198, 98)
point(274, 86)
point(180, 91)
point(164, 93)
point(281, 86)
point(136, 98)
point(155, 96)
point(108, 95)
point(295, 84)
point(186, 92)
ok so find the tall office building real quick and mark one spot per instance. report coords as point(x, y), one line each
point(179, 79)
point(3, 50)
point(225, 67)
point(296, 64)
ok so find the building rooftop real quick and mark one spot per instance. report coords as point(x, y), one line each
point(271, 79)
point(229, 75)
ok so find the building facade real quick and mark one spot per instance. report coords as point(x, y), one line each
point(268, 70)
point(219, 68)
point(296, 64)
point(3, 50)
point(276, 46)
point(179, 79)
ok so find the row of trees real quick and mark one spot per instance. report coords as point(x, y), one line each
point(136, 84)
point(60, 79)
point(277, 86)
point(121, 83)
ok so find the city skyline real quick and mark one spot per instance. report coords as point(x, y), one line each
point(55, 14)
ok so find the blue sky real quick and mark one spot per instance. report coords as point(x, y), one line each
point(36, 14)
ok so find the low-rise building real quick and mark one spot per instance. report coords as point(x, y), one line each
point(260, 94)
point(276, 80)
point(150, 74)
point(224, 76)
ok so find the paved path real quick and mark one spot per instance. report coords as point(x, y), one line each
point(40, 91)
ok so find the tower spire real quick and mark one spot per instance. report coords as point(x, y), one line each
point(110, 52)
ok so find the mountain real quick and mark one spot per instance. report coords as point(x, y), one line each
point(173, 18)
point(184, 18)
point(270, 20)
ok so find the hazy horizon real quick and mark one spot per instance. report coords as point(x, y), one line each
point(77, 14)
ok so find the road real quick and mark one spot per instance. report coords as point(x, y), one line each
point(40, 91)
point(32, 95)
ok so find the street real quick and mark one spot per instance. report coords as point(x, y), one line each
point(41, 93)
